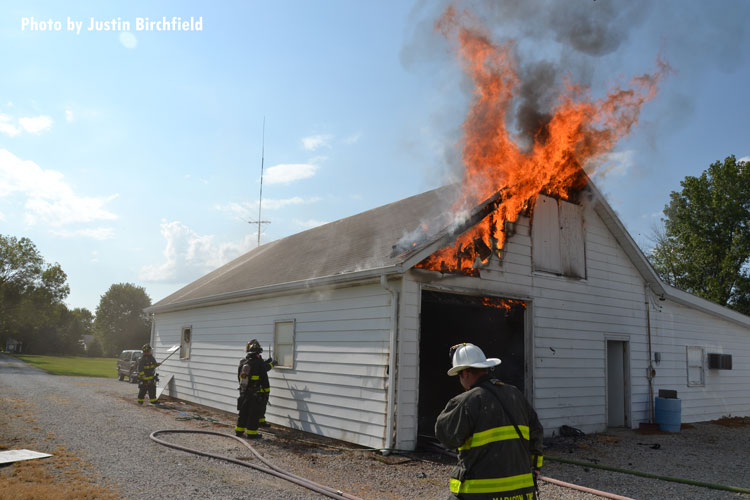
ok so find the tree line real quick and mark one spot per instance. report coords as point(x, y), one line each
point(33, 312)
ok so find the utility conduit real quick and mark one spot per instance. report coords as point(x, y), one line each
point(270, 469)
point(734, 489)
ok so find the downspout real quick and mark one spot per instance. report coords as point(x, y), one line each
point(651, 373)
point(391, 365)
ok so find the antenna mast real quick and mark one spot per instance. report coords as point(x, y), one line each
point(260, 197)
point(262, 161)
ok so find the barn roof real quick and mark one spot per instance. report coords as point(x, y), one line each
point(385, 240)
point(360, 244)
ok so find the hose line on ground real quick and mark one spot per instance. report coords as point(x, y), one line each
point(584, 489)
point(270, 469)
point(734, 489)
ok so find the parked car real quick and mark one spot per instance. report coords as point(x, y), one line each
point(127, 365)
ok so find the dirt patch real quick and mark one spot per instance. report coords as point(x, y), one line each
point(732, 421)
point(60, 477)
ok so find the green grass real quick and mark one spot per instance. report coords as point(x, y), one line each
point(77, 366)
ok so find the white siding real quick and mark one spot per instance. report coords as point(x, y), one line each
point(725, 391)
point(408, 366)
point(338, 385)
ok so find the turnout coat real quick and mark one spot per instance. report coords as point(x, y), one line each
point(494, 461)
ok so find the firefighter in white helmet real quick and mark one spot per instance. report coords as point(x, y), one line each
point(495, 430)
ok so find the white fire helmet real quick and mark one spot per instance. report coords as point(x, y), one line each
point(469, 356)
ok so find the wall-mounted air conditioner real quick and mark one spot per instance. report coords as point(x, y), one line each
point(719, 361)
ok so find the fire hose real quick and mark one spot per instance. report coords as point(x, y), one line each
point(734, 489)
point(269, 469)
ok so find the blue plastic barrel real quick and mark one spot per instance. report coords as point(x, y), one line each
point(668, 414)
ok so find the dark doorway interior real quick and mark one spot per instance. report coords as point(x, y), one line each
point(495, 325)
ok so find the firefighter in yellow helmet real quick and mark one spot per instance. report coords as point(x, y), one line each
point(252, 374)
point(147, 375)
point(495, 430)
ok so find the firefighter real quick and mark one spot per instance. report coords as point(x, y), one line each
point(252, 374)
point(495, 430)
point(147, 375)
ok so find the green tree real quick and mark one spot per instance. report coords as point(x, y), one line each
point(31, 291)
point(120, 321)
point(74, 325)
point(704, 247)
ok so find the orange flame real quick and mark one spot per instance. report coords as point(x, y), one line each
point(579, 130)
point(499, 303)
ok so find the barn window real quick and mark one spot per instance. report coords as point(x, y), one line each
point(557, 238)
point(185, 339)
point(695, 375)
point(283, 342)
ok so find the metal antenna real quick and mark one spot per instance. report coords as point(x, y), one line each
point(260, 198)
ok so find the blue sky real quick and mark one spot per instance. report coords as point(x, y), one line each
point(134, 156)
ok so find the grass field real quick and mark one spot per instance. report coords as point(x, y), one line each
point(77, 366)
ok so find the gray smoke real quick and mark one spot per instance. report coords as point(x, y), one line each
point(553, 39)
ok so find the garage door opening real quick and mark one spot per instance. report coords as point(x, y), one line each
point(494, 324)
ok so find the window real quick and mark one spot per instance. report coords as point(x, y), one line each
point(185, 342)
point(695, 375)
point(283, 343)
point(557, 238)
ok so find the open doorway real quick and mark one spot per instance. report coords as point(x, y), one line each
point(494, 324)
point(618, 383)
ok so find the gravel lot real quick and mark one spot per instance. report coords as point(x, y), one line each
point(99, 437)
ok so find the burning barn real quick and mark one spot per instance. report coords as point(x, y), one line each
point(523, 257)
point(361, 313)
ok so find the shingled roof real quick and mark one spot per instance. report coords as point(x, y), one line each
point(383, 241)
point(364, 242)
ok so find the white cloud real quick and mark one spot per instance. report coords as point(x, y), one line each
point(99, 233)
point(314, 142)
point(273, 204)
point(49, 199)
point(745, 158)
point(289, 172)
point(69, 115)
point(309, 223)
point(354, 138)
point(36, 124)
point(128, 40)
point(6, 127)
point(188, 255)
point(248, 210)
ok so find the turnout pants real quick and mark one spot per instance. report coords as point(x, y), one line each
point(264, 405)
point(251, 409)
point(143, 387)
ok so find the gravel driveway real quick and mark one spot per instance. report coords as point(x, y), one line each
point(99, 437)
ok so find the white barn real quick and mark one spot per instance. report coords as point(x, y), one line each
point(581, 321)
